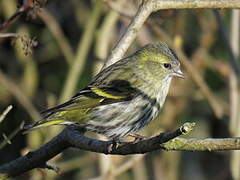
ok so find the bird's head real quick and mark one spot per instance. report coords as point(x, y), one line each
point(160, 60)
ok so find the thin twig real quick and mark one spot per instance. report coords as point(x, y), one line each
point(26, 6)
point(5, 112)
point(119, 9)
point(233, 60)
point(8, 35)
point(7, 139)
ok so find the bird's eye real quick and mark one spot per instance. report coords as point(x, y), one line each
point(167, 65)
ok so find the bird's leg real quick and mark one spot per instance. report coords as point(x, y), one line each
point(137, 137)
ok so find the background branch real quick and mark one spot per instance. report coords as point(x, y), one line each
point(27, 5)
point(19, 95)
point(149, 6)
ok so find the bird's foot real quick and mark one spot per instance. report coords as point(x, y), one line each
point(115, 144)
point(137, 137)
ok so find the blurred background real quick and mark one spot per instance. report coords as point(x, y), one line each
point(73, 40)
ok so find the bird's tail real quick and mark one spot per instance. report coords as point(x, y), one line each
point(41, 123)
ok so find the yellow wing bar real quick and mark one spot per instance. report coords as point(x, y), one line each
point(105, 94)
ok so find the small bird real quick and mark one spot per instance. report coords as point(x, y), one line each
point(123, 98)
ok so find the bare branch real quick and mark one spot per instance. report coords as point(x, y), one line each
point(5, 112)
point(72, 137)
point(149, 6)
point(196, 4)
point(33, 5)
point(142, 14)
point(8, 35)
point(7, 139)
point(208, 144)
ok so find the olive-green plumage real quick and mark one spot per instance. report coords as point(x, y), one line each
point(123, 98)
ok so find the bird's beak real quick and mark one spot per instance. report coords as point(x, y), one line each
point(178, 73)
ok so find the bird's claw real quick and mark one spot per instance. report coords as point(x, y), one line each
point(115, 144)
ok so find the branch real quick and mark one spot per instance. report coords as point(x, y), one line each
point(208, 144)
point(142, 14)
point(72, 137)
point(33, 5)
point(196, 4)
point(149, 6)
point(7, 139)
point(5, 112)
point(233, 59)
point(143, 146)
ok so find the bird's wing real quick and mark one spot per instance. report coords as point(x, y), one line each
point(107, 87)
point(93, 96)
point(85, 100)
